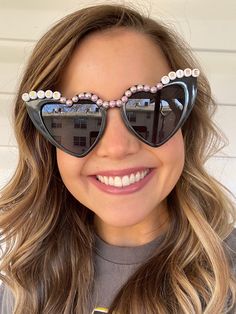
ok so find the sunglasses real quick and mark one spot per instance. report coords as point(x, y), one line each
point(152, 113)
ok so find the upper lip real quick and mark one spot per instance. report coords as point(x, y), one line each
point(121, 172)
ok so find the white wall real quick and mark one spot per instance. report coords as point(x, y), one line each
point(208, 25)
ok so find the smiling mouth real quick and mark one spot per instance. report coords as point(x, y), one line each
point(123, 181)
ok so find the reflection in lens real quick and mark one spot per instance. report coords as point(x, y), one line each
point(155, 116)
point(75, 128)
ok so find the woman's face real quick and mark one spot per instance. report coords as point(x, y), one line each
point(106, 64)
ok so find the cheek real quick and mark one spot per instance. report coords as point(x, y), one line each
point(69, 166)
point(171, 156)
point(173, 150)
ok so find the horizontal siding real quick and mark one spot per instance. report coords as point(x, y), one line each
point(220, 69)
point(190, 8)
point(6, 129)
point(224, 170)
point(8, 163)
point(191, 18)
point(225, 120)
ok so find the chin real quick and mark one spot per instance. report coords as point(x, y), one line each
point(121, 221)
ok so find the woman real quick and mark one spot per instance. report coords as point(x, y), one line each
point(111, 208)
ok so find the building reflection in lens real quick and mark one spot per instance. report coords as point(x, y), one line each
point(77, 127)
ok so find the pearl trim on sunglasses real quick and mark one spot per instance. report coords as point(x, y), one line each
point(33, 95)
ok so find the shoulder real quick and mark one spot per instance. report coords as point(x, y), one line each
point(230, 245)
point(231, 239)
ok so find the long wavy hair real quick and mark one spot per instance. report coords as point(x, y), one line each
point(47, 235)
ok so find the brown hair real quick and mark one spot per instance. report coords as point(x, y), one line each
point(48, 235)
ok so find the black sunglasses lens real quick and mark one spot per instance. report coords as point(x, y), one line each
point(154, 117)
point(75, 129)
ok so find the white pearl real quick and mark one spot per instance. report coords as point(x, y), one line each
point(81, 96)
point(75, 98)
point(48, 94)
point(140, 87)
point(56, 95)
point(33, 95)
point(99, 102)
point(172, 75)
point(94, 98)
point(69, 102)
point(124, 98)
point(165, 79)
point(195, 72)
point(41, 94)
point(153, 89)
point(63, 100)
point(179, 73)
point(187, 72)
point(25, 97)
point(112, 103)
point(146, 88)
point(105, 104)
point(128, 93)
point(159, 85)
point(119, 103)
point(88, 95)
point(133, 89)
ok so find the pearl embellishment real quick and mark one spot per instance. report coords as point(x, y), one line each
point(25, 97)
point(75, 98)
point(33, 95)
point(41, 94)
point(48, 94)
point(172, 75)
point(165, 79)
point(195, 72)
point(146, 88)
point(56, 95)
point(179, 73)
point(159, 85)
point(187, 72)
point(140, 88)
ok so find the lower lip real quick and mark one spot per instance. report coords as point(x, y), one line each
point(123, 190)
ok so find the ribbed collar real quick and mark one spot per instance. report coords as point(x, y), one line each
point(125, 255)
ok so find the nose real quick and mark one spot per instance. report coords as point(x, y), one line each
point(117, 141)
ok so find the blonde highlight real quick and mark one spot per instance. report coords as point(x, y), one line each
point(48, 235)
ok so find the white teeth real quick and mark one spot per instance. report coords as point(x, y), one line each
point(132, 178)
point(137, 176)
point(123, 181)
point(106, 179)
point(101, 178)
point(111, 181)
point(142, 174)
point(117, 182)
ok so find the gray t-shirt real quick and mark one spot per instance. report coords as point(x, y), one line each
point(113, 266)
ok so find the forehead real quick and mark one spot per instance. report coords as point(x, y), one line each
point(108, 62)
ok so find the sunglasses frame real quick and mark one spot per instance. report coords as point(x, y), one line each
point(189, 85)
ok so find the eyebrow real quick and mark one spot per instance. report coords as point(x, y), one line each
point(166, 79)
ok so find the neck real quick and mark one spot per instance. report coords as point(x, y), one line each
point(133, 235)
